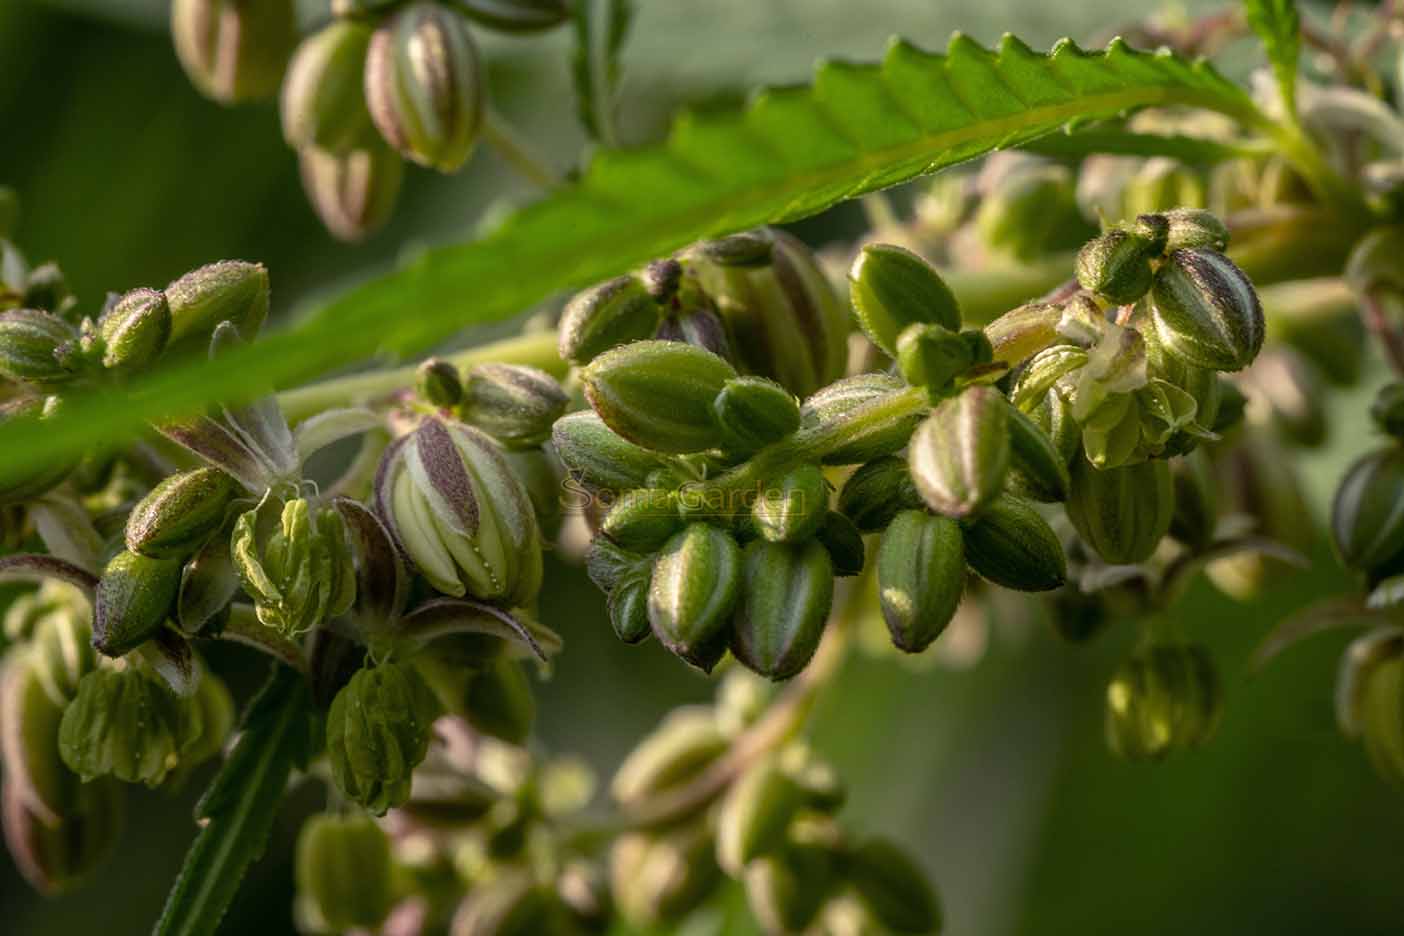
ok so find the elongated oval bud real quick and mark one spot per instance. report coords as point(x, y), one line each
point(1020, 333)
point(877, 492)
point(1163, 698)
point(128, 725)
point(378, 731)
point(208, 583)
point(513, 403)
point(29, 342)
point(229, 291)
point(893, 887)
point(754, 815)
point(1010, 544)
point(892, 288)
point(1194, 227)
point(1367, 514)
point(1037, 469)
point(684, 745)
point(841, 538)
point(659, 394)
point(786, 888)
point(754, 412)
point(344, 871)
point(323, 99)
point(1122, 513)
point(517, 16)
point(135, 330)
point(959, 456)
point(234, 50)
point(659, 879)
point(931, 356)
point(698, 325)
point(628, 608)
point(1116, 266)
point(461, 514)
point(790, 508)
point(921, 575)
point(1206, 311)
point(57, 858)
point(786, 594)
point(695, 586)
point(29, 726)
point(353, 193)
point(598, 457)
point(180, 514)
point(841, 400)
point(134, 598)
point(424, 86)
point(606, 316)
point(643, 520)
point(782, 315)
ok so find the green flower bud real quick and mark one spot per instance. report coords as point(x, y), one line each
point(892, 288)
point(685, 744)
point(1020, 333)
point(1361, 658)
point(61, 649)
point(1367, 514)
point(921, 575)
point(754, 815)
point(838, 402)
point(784, 320)
point(786, 595)
point(517, 16)
point(877, 492)
point(378, 731)
point(513, 403)
point(1206, 311)
point(786, 888)
point(893, 887)
point(234, 50)
point(628, 608)
point(608, 565)
point(643, 520)
point(844, 543)
point(754, 412)
point(1116, 266)
point(437, 383)
point(424, 86)
point(696, 584)
point(135, 596)
point(298, 568)
point(344, 870)
point(462, 516)
point(353, 193)
point(659, 879)
point(58, 857)
point(1037, 469)
point(606, 316)
point(1387, 410)
point(959, 456)
point(229, 291)
point(180, 514)
point(208, 583)
point(1196, 499)
point(932, 357)
point(510, 906)
point(790, 508)
point(1381, 702)
point(597, 457)
point(499, 702)
point(323, 100)
point(135, 330)
point(1122, 513)
point(30, 341)
point(1029, 209)
point(1194, 228)
point(1010, 544)
point(29, 727)
point(129, 725)
point(1161, 699)
point(659, 394)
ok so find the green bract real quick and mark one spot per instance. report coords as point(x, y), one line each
point(960, 454)
point(128, 725)
point(378, 731)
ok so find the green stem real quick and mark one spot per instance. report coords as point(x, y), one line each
point(516, 152)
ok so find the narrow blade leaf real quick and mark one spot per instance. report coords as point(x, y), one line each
point(601, 27)
point(1279, 26)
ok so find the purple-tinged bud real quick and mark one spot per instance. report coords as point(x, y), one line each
point(135, 331)
point(30, 340)
point(180, 514)
point(234, 50)
point(438, 383)
point(960, 455)
point(323, 99)
point(353, 193)
point(1206, 311)
point(513, 403)
point(606, 316)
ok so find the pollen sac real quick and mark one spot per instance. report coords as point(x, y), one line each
point(1206, 311)
point(234, 50)
point(135, 331)
point(344, 871)
point(892, 289)
point(598, 458)
point(960, 455)
point(786, 594)
point(1122, 513)
point(135, 596)
point(180, 514)
point(783, 318)
point(1010, 544)
point(513, 403)
point(454, 504)
point(921, 576)
point(30, 343)
point(424, 85)
point(378, 731)
point(323, 100)
point(1116, 266)
point(659, 394)
point(129, 725)
point(1194, 227)
point(353, 193)
point(1164, 698)
point(790, 508)
point(295, 562)
point(837, 404)
point(229, 291)
point(613, 313)
point(754, 412)
point(695, 586)
point(1367, 521)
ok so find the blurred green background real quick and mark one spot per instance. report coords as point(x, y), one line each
point(995, 773)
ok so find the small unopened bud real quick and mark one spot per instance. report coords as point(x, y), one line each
point(696, 583)
point(786, 888)
point(135, 330)
point(685, 744)
point(127, 724)
point(597, 457)
point(921, 575)
point(229, 291)
point(892, 289)
point(1162, 699)
point(437, 383)
point(1116, 266)
point(1010, 544)
point(959, 456)
point(837, 403)
point(1122, 513)
point(135, 596)
point(877, 492)
point(1020, 333)
point(613, 313)
point(754, 815)
point(643, 520)
point(931, 356)
point(841, 538)
point(1195, 227)
point(296, 564)
point(1206, 311)
point(344, 871)
point(353, 193)
point(180, 514)
point(786, 594)
point(513, 403)
point(754, 412)
point(659, 394)
point(1037, 468)
point(789, 509)
point(893, 887)
point(378, 731)
point(30, 340)
point(323, 99)
point(234, 50)
point(424, 87)
point(1366, 521)
point(1030, 208)
point(56, 857)
point(628, 607)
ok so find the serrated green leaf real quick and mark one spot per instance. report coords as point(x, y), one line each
point(790, 154)
point(238, 809)
point(1280, 28)
point(601, 26)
